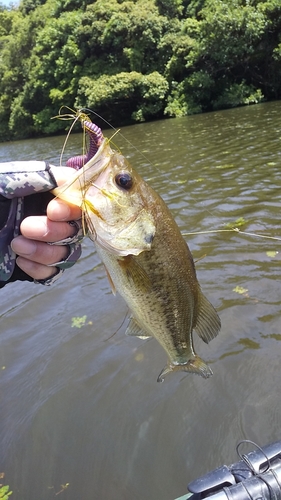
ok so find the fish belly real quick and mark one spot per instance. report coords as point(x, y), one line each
point(161, 302)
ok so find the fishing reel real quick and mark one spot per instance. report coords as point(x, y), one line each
point(257, 476)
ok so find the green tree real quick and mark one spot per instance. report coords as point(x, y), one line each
point(16, 48)
point(123, 36)
point(134, 59)
point(219, 58)
point(55, 69)
point(138, 97)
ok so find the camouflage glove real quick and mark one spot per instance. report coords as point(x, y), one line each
point(24, 191)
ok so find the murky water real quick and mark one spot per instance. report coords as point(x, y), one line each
point(81, 408)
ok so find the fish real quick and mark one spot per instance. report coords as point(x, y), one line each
point(146, 258)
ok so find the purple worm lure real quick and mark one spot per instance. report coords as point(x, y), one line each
point(95, 137)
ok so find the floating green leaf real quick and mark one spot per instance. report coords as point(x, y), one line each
point(4, 492)
point(271, 253)
point(78, 321)
point(240, 290)
point(238, 223)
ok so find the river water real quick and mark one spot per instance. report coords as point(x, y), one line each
point(82, 416)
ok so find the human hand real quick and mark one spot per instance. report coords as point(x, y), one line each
point(35, 255)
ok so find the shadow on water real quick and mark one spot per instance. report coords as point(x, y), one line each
point(81, 408)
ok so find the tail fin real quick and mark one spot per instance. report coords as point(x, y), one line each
point(194, 365)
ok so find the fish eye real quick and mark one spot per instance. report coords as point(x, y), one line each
point(124, 180)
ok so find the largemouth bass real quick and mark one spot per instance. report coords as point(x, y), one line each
point(146, 258)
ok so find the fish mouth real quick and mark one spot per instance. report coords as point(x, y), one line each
point(85, 176)
point(93, 168)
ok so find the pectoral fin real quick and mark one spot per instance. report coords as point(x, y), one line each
point(194, 365)
point(135, 273)
point(208, 323)
point(135, 330)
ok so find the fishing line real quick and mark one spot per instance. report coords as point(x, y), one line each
point(77, 115)
point(83, 113)
point(235, 230)
point(178, 186)
point(119, 327)
point(68, 116)
point(117, 131)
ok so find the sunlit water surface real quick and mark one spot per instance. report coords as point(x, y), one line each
point(82, 416)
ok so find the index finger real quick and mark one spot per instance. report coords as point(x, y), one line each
point(59, 210)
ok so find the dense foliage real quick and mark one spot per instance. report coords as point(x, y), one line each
point(134, 60)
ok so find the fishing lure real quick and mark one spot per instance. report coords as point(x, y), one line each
point(89, 163)
point(95, 139)
point(94, 133)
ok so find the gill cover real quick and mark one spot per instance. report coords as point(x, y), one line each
point(134, 238)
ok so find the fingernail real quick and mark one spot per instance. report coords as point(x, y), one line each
point(22, 246)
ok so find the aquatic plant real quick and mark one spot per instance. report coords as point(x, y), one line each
point(4, 492)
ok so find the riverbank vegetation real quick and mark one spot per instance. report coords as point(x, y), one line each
point(134, 60)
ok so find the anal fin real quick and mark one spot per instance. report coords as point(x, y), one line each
point(135, 330)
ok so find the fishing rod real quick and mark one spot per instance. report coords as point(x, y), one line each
point(257, 476)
